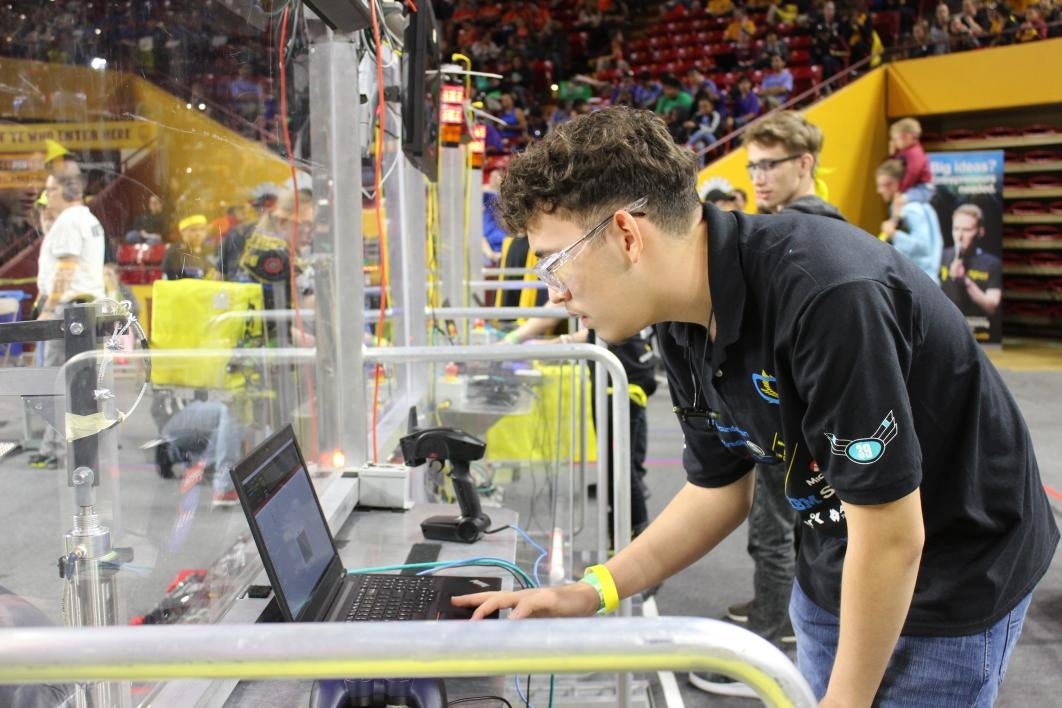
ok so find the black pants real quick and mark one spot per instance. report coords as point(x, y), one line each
point(639, 442)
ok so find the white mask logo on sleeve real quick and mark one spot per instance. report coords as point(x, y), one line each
point(863, 451)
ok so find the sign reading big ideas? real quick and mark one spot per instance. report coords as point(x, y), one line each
point(97, 135)
point(968, 198)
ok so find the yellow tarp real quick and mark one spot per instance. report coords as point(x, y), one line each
point(545, 432)
point(183, 316)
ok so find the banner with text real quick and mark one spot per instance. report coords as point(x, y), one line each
point(100, 135)
point(969, 202)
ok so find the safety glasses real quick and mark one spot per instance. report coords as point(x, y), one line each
point(548, 268)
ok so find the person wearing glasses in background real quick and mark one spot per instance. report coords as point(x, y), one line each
point(798, 341)
point(783, 153)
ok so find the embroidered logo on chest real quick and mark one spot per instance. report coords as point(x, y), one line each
point(764, 384)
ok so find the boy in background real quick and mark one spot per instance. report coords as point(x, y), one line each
point(905, 145)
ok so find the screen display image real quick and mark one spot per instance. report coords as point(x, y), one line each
point(291, 527)
point(420, 92)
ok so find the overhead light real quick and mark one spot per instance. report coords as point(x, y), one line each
point(202, 106)
point(98, 63)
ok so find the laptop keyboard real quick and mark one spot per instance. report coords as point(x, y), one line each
point(392, 597)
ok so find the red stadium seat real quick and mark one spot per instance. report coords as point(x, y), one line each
point(1043, 156)
point(1026, 207)
point(141, 254)
point(1039, 129)
point(541, 75)
point(1044, 182)
point(1042, 232)
point(799, 57)
point(805, 77)
point(1001, 132)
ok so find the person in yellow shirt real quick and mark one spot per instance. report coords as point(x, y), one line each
point(740, 22)
point(718, 8)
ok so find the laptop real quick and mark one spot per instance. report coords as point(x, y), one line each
point(300, 557)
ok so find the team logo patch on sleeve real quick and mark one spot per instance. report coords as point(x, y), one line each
point(863, 451)
point(764, 384)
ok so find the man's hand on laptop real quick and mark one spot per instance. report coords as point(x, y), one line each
point(573, 600)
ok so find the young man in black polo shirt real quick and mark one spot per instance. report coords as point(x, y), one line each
point(799, 341)
point(783, 155)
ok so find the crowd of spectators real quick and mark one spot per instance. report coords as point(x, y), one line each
point(558, 59)
point(976, 24)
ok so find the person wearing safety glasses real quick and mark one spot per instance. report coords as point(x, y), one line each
point(800, 341)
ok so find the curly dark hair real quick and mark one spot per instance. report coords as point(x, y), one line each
point(599, 162)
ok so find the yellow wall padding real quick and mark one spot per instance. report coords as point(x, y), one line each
point(544, 433)
point(857, 139)
point(182, 316)
point(99, 92)
point(208, 166)
point(992, 79)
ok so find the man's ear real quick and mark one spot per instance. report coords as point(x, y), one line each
point(632, 235)
point(807, 162)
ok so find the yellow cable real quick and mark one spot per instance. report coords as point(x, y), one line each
point(466, 188)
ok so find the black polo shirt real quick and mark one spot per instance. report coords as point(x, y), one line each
point(838, 358)
point(987, 272)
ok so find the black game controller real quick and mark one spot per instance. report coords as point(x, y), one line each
point(370, 693)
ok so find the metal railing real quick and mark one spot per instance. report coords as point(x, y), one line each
point(409, 649)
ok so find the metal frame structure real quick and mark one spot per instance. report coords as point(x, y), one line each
point(334, 95)
point(411, 649)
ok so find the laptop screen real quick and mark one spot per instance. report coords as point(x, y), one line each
point(290, 524)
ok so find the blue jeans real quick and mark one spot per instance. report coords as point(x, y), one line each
point(701, 135)
point(212, 423)
point(924, 672)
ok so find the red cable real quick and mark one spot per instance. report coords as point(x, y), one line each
point(285, 130)
point(412, 6)
point(1052, 492)
point(381, 113)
